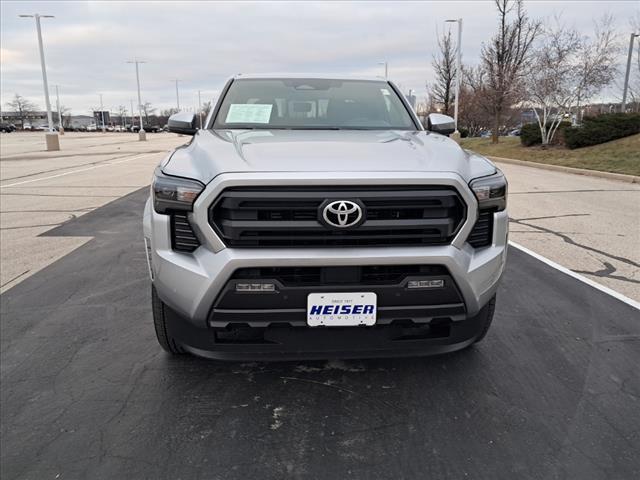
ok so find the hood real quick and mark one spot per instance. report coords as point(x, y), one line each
point(211, 153)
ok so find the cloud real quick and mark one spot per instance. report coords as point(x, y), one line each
point(202, 43)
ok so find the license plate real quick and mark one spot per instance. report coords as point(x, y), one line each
point(341, 309)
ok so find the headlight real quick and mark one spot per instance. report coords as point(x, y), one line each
point(174, 193)
point(491, 191)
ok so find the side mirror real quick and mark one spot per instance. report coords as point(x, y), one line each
point(442, 124)
point(183, 122)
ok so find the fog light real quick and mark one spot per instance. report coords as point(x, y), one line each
point(255, 287)
point(425, 284)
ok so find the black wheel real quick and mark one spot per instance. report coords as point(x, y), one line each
point(160, 314)
point(484, 317)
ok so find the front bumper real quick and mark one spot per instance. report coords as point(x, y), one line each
point(304, 343)
point(191, 283)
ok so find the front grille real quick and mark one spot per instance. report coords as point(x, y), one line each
point(482, 233)
point(356, 275)
point(289, 217)
point(182, 237)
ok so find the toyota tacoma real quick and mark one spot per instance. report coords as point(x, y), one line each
point(314, 217)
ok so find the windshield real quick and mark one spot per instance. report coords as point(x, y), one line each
point(312, 104)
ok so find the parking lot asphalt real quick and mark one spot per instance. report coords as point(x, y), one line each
point(552, 392)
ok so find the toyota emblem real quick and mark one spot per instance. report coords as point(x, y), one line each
point(342, 214)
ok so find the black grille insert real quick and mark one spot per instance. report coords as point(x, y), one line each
point(482, 233)
point(356, 275)
point(183, 239)
point(288, 216)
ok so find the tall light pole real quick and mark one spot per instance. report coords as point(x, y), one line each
point(52, 140)
point(60, 127)
point(142, 135)
point(132, 112)
point(626, 77)
point(102, 113)
point(386, 69)
point(458, 71)
point(200, 108)
point(177, 94)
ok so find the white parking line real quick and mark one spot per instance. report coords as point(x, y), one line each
point(577, 276)
point(77, 171)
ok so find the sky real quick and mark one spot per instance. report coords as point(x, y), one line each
point(88, 43)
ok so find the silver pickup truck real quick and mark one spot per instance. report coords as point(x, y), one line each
point(314, 217)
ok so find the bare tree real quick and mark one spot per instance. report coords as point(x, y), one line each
point(22, 107)
point(505, 60)
point(633, 90)
point(147, 109)
point(206, 108)
point(122, 113)
point(595, 61)
point(444, 65)
point(569, 70)
point(476, 115)
point(168, 112)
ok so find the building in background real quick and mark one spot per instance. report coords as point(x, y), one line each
point(78, 121)
point(31, 119)
point(97, 118)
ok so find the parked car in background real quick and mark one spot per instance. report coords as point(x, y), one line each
point(147, 128)
point(7, 127)
point(92, 127)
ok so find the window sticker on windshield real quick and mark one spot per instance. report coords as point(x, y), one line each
point(249, 113)
point(385, 91)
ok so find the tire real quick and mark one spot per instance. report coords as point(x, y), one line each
point(160, 314)
point(485, 317)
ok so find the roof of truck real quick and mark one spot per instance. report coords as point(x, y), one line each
point(325, 76)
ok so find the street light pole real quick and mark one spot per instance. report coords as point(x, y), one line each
point(626, 77)
point(200, 108)
point(60, 127)
point(52, 140)
point(177, 95)
point(386, 69)
point(458, 72)
point(102, 114)
point(142, 135)
point(132, 113)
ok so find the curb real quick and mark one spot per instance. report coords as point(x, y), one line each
point(621, 177)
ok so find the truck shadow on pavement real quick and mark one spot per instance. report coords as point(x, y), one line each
point(551, 392)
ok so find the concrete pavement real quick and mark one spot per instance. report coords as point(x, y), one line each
point(39, 189)
point(587, 224)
